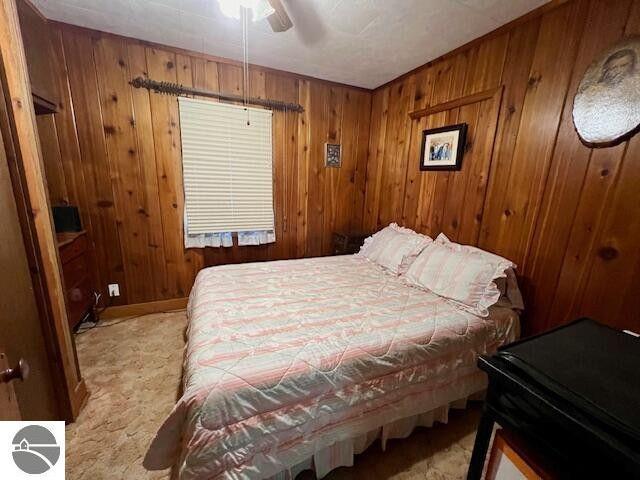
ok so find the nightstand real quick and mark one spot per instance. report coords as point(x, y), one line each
point(345, 243)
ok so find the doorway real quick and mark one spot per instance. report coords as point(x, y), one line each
point(21, 334)
point(33, 323)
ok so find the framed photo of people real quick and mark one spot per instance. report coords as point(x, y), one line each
point(443, 148)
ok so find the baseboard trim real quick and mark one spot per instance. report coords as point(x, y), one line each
point(137, 309)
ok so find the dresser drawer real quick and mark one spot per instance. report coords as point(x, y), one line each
point(75, 271)
point(79, 301)
point(73, 249)
point(77, 275)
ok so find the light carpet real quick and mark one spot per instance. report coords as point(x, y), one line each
point(133, 369)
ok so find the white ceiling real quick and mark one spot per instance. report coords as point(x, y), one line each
point(358, 42)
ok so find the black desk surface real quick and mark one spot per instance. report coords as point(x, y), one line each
point(573, 395)
point(594, 365)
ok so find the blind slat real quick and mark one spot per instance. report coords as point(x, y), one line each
point(227, 167)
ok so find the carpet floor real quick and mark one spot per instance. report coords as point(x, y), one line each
point(133, 369)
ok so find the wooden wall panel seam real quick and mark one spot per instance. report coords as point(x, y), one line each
point(542, 267)
point(531, 236)
point(107, 245)
point(603, 219)
point(506, 141)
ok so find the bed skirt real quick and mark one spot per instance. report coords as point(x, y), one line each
point(342, 453)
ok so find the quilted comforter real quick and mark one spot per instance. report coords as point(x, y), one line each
point(284, 358)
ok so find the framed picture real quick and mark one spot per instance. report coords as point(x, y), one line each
point(443, 148)
point(332, 155)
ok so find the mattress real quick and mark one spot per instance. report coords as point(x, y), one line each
point(285, 358)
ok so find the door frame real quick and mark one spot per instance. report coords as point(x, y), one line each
point(24, 155)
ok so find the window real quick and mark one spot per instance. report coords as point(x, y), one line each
point(227, 167)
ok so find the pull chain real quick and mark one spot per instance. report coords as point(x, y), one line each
point(285, 193)
point(245, 59)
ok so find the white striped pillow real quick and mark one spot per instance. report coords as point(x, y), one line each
point(394, 248)
point(461, 273)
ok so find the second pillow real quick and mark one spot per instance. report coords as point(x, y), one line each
point(394, 248)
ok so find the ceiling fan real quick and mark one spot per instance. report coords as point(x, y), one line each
point(279, 20)
point(272, 10)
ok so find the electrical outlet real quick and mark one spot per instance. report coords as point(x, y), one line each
point(114, 290)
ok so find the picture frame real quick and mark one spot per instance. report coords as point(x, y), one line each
point(332, 155)
point(443, 147)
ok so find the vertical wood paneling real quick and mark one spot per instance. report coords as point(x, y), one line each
point(285, 164)
point(161, 65)
point(595, 199)
point(546, 91)
point(289, 184)
point(70, 156)
point(146, 156)
point(304, 161)
point(395, 152)
point(124, 144)
point(449, 83)
point(318, 101)
point(52, 160)
point(567, 175)
point(413, 182)
point(528, 188)
point(292, 166)
point(119, 128)
point(565, 213)
point(66, 130)
point(515, 75)
point(355, 142)
point(627, 303)
point(334, 111)
point(605, 185)
point(616, 258)
point(375, 158)
point(83, 85)
point(194, 258)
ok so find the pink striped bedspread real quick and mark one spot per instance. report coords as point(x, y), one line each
point(285, 357)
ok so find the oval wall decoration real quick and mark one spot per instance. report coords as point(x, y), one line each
point(606, 108)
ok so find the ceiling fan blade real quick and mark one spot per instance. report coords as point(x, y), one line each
point(279, 20)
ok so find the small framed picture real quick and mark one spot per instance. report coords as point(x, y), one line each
point(332, 155)
point(443, 148)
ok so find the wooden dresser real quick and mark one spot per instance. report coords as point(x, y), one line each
point(78, 283)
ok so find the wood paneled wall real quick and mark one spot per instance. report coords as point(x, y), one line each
point(115, 152)
point(568, 215)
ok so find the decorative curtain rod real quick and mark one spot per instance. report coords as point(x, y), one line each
point(178, 89)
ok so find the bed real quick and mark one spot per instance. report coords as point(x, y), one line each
point(302, 363)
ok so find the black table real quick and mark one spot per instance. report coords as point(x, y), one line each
point(572, 395)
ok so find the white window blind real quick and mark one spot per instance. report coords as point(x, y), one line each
point(227, 167)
